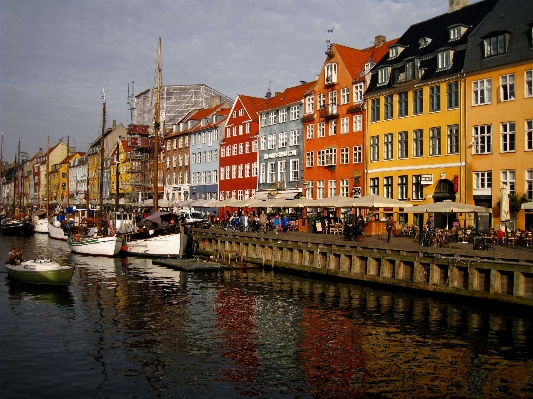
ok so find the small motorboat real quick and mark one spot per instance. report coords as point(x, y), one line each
point(41, 271)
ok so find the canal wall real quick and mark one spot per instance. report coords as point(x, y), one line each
point(483, 276)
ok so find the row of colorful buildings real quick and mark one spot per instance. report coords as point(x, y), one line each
point(445, 112)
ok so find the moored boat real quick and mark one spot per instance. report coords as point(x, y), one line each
point(41, 271)
point(18, 227)
point(41, 222)
point(95, 245)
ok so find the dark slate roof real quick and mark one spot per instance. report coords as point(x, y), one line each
point(515, 18)
point(435, 29)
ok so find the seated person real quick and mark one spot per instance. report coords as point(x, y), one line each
point(14, 257)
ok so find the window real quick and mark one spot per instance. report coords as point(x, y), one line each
point(272, 118)
point(345, 125)
point(529, 135)
point(529, 83)
point(310, 159)
point(247, 148)
point(452, 95)
point(271, 141)
point(254, 169)
point(482, 180)
point(357, 154)
point(374, 186)
point(332, 188)
point(321, 129)
point(282, 171)
point(168, 145)
point(444, 59)
point(330, 75)
point(374, 148)
point(452, 139)
point(295, 169)
point(187, 159)
point(508, 134)
point(247, 168)
point(241, 148)
point(327, 157)
point(234, 171)
point(455, 32)
point(310, 131)
point(234, 149)
point(482, 92)
point(254, 146)
point(383, 75)
point(418, 143)
point(333, 127)
point(434, 99)
point(434, 141)
point(387, 187)
point(482, 139)
point(321, 101)
point(309, 105)
point(309, 189)
point(507, 87)
point(357, 123)
point(418, 102)
point(295, 112)
point(282, 140)
point(228, 173)
point(263, 141)
point(234, 130)
point(345, 95)
point(402, 145)
point(508, 178)
point(180, 142)
point(402, 187)
point(494, 45)
point(358, 92)
point(388, 146)
point(345, 157)
point(294, 138)
point(320, 189)
point(529, 184)
point(374, 107)
point(282, 115)
point(344, 187)
point(418, 189)
point(263, 120)
point(240, 130)
point(262, 175)
point(402, 104)
point(388, 108)
point(271, 176)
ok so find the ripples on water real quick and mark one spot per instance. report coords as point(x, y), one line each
point(127, 328)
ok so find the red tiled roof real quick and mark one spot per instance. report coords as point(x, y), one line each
point(289, 95)
point(253, 105)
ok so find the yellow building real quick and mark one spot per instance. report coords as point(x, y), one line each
point(415, 123)
point(499, 106)
point(124, 169)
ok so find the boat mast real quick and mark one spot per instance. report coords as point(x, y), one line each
point(101, 178)
point(16, 188)
point(48, 176)
point(117, 176)
point(68, 169)
point(156, 128)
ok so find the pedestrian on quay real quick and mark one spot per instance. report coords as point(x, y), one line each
point(285, 223)
point(389, 225)
point(264, 220)
point(277, 224)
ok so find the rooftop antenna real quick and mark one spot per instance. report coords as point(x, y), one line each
point(131, 100)
point(269, 93)
point(328, 43)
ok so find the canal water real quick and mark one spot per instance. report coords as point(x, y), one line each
point(125, 328)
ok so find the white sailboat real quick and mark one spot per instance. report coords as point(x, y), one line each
point(167, 239)
point(96, 240)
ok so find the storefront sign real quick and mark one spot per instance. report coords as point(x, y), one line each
point(426, 179)
point(455, 184)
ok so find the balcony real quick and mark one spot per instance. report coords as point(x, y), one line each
point(331, 80)
point(330, 111)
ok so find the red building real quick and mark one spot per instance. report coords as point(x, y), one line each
point(238, 149)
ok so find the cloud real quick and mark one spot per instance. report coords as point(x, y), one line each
point(56, 55)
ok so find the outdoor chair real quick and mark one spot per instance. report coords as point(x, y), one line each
point(510, 238)
point(529, 239)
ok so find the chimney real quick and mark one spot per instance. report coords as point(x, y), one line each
point(380, 39)
point(278, 93)
point(114, 123)
point(457, 5)
point(214, 101)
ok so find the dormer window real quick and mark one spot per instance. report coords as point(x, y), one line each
point(395, 51)
point(203, 122)
point(495, 45)
point(383, 75)
point(368, 67)
point(444, 59)
point(423, 42)
point(331, 73)
point(455, 32)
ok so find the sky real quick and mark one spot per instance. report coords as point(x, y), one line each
point(56, 56)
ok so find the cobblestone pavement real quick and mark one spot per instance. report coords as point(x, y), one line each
point(408, 243)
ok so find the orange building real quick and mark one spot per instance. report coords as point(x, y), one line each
point(334, 122)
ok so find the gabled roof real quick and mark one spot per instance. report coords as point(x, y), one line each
point(290, 95)
point(253, 105)
point(436, 29)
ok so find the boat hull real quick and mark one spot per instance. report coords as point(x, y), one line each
point(41, 271)
point(95, 246)
point(41, 226)
point(15, 227)
point(57, 233)
point(162, 245)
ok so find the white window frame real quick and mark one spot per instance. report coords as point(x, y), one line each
point(507, 87)
point(345, 123)
point(358, 123)
point(358, 92)
point(507, 137)
point(482, 92)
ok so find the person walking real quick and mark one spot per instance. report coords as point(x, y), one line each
point(285, 223)
point(277, 224)
point(389, 225)
point(264, 221)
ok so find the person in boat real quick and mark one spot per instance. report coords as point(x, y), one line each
point(14, 257)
